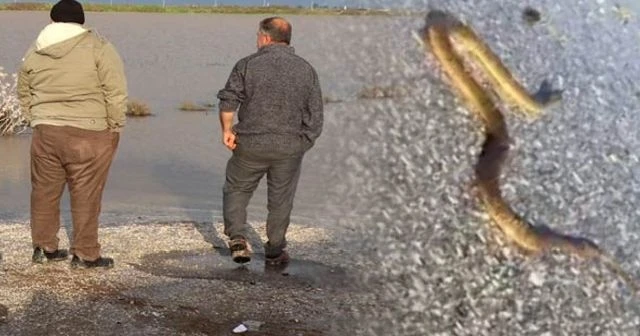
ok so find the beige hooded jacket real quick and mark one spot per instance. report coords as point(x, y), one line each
point(71, 76)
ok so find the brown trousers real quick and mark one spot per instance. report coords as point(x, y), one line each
point(80, 158)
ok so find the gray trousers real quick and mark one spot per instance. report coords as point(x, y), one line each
point(245, 169)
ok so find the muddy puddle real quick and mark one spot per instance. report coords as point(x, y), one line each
point(216, 264)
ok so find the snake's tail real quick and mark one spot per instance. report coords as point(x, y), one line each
point(587, 248)
point(615, 267)
point(547, 95)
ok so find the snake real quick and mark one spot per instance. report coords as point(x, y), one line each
point(441, 32)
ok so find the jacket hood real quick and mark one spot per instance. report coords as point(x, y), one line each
point(59, 38)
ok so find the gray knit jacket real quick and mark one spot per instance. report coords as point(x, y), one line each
point(280, 100)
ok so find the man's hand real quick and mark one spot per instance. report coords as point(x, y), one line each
point(229, 139)
point(228, 136)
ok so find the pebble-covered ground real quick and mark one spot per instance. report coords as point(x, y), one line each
point(175, 279)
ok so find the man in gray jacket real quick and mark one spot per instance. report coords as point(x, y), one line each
point(280, 116)
point(73, 92)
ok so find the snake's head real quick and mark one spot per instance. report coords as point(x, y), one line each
point(437, 14)
point(585, 247)
point(437, 17)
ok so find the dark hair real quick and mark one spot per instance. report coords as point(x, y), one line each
point(277, 28)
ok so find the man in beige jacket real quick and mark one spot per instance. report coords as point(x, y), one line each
point(73, 91)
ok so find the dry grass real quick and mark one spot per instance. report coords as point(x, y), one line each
point(137, 108)
point(25, 6)
point(189, 106)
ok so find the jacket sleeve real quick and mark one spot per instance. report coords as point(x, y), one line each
point(233, 94)
point(312, 120)
point(114, 85)
point(24, 93)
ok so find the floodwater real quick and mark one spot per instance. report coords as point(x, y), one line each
point(172, 164)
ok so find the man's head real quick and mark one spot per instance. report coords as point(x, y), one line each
point(67, 11)
point(273, 30)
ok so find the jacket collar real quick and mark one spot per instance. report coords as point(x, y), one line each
point(277, 47)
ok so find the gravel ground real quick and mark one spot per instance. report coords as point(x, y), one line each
point(185, 285)
point(437, 266)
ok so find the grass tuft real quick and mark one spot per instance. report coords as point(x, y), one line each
point(136, 108)
point(189, 106)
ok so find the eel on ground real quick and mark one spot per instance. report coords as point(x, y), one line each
point(440, 34)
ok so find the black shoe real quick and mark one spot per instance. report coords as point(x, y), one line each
point(40, 256)
point(101, 262)
point(240, 250)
